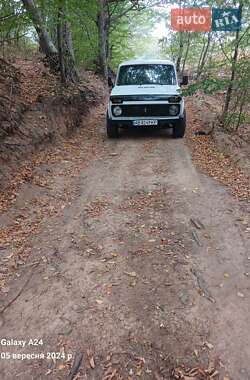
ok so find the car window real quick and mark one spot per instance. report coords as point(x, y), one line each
point(146, 74)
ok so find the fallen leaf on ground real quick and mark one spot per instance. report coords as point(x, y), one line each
point(245, 222)
point(131, 274)
point(99, 302)
point(91, 359)
point(61, 367)
point(241, 295)
point(139, 372)
point(195, 190)
point(67, 332)
point(6, 290)
point(92, 362)
point(133, 283)
point(209, 345)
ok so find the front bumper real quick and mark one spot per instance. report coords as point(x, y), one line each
point(162, 123)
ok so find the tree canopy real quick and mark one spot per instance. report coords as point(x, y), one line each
point(99, 34)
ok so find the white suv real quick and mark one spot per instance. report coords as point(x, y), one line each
point(146, 93)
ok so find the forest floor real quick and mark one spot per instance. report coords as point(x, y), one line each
point(127, 255)
point(236, 144)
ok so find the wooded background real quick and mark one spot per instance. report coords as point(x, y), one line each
point(99, 34)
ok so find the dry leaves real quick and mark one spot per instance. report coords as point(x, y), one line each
point(96, 208)
point(207, 156)
point(142, 200)
point(131, 274)
point(195, 374)
point(112, 374)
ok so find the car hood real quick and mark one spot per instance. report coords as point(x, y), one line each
point(145, 90)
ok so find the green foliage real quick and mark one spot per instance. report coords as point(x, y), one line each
point(82, 19)
point(208, 86)
point(130, 23)
point(14, 23)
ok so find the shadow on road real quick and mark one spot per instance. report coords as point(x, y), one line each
point(142, 133)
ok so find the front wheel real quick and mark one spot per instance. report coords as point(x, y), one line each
point(180, 127)
point(112, 129)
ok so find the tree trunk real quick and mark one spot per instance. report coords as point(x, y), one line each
point(61, 59)
point(180, 52)
point(242, 103)
point(60, 45)
point(203, 56)
point(200, 57)
point(186, 54)
point(233, 73)
point(70, 71)
point(45, 42)
point(69, 40)
point(103, 37)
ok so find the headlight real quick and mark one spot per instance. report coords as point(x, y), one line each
point(117, 111)
point(173, 110)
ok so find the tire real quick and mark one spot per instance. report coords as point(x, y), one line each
point(180, 127)
point(112, 129)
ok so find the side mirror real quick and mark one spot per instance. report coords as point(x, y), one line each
point(110, 82)
point(184, 81)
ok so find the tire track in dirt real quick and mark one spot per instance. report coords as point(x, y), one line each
point(116, 275)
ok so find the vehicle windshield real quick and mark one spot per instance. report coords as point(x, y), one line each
point(146, 74)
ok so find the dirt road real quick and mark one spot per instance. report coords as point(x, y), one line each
point(133, 257)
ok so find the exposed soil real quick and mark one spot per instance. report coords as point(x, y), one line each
point(126, 252)
point(35, 110)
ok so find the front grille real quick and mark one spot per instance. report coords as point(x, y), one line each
point(145, 97)
point(146, 110)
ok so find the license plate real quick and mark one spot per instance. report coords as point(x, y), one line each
point(138, 123)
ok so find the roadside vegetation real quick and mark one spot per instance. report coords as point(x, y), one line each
point(219, 64)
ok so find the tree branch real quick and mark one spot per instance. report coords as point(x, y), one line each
point(11, 15)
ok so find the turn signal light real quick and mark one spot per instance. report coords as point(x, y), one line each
point(174, 99)
point(116, 100)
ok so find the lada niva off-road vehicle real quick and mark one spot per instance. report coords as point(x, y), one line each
point(146, 93)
